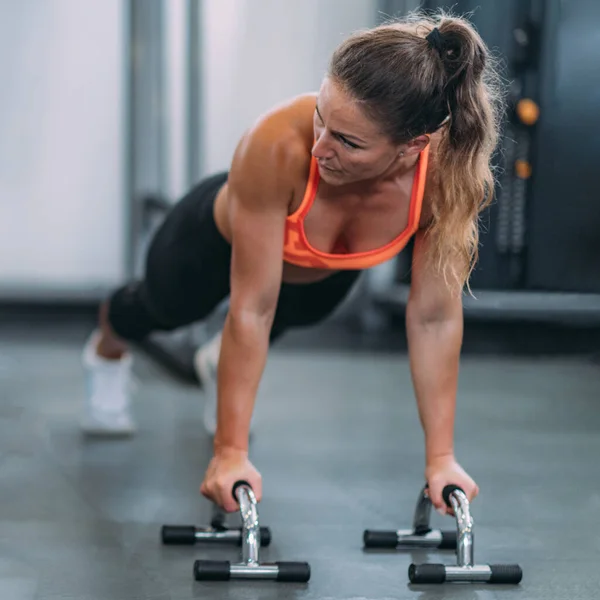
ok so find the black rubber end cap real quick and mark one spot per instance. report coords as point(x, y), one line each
point(426, 574)
point(448, 540)
point(380, 539)
point(447, 491)
point(212, 570)
point(506, 574)
point(265, 536)
point(178, 535)
point(236, 485)
point(293, 572)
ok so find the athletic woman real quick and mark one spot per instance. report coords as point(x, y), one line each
point(396, 145)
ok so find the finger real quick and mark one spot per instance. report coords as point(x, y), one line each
point(257, 488)
point(229, 506)
point(226, 499)
point(435, 495)
point(204, 490)
point(469, 491)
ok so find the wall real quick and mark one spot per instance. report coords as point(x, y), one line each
point(260, 52)
point(62, 150)
point(63, 116)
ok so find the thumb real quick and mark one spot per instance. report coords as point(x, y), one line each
point(227, 501)
point(257, 488)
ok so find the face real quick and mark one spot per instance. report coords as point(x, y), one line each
point(349, 146)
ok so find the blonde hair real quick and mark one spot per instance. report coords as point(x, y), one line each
point(414, 86)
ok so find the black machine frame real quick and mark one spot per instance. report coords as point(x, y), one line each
point(539, 247)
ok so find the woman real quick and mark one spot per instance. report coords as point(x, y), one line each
point(396, 144)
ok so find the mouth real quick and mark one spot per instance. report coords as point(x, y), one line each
point(326, 168)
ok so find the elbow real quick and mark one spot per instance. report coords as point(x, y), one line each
point(248, 331)
point(252, 311)
point(427, 314)
point(251, 321)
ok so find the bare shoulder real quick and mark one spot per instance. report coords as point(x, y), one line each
point(274, 152)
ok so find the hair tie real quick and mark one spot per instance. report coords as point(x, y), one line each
point(436, 40)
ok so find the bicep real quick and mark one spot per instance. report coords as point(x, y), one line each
point(257, 257)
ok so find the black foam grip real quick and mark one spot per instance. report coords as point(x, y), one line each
point(178, 535)
point(448, 540)
point(293, 572)
point(380, 539)
point(212, 570)
point(507, 574)
point(448, 490)
point(265, 536)
point(426, 573)
point(236, 485)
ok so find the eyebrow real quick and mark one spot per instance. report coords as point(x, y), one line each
point(345, 135)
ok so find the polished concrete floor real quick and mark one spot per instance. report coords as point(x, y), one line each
point(339, 446)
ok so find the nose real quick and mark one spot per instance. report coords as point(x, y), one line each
point(322, 149)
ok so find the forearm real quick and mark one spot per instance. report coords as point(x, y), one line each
point(434, 351)
point(244, 348)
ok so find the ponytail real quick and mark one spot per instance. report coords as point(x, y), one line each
point(466, 180)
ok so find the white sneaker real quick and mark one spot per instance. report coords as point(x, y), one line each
point(107, 409)
point(206, 362)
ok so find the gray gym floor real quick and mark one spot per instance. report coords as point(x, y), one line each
point(340, 449)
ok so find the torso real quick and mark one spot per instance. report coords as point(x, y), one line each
point(357, 220)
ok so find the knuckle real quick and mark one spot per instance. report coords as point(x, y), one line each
point(221, 483)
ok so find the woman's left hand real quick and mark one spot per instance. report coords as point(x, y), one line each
point(444, 471)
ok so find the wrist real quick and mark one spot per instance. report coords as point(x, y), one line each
point(439, 457)
point(228, 450)
point(439, 442)
point(231, 438)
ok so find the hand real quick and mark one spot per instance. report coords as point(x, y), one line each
point(226, 468)
point(443, 471)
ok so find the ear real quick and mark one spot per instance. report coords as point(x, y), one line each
point(416, 145)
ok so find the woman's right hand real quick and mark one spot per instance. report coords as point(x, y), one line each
point(226, 468)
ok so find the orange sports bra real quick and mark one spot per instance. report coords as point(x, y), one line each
point(298, 251)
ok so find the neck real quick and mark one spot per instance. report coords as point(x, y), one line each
point(400, 167)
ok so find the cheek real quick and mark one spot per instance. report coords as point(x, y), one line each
point(380, 161)
point(361, 161)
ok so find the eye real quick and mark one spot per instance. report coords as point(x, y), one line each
point(348, 143)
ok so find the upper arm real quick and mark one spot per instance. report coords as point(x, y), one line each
point(431, 297)
point(260, 190)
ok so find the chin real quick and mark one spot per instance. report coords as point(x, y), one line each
point(331, 177)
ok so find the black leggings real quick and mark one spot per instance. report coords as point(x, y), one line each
point(187, 277)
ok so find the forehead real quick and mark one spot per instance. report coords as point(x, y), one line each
point(342, 112)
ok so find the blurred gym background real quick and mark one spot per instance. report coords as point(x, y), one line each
point(111, 109)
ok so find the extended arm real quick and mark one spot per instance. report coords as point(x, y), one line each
point(434, 320)
point(260, 190)
point(259, 197)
